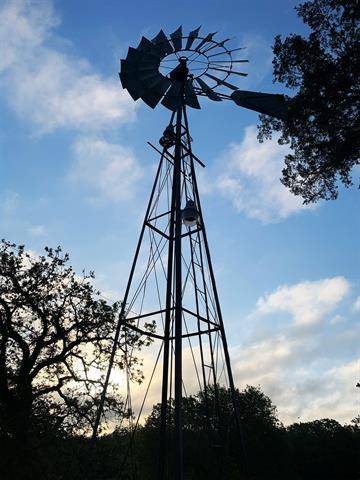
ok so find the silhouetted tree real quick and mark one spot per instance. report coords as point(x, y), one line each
point(212, 444)
point(55, 337)
point(322, 126)
point(324, 449)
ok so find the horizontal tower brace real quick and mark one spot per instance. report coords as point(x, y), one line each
point(161, 337)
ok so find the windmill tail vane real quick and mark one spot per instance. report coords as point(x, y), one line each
point(172, 282)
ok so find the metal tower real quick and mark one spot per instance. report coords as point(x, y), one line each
point(171, 294)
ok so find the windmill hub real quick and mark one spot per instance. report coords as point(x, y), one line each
point(196, 68)
point(180, 72)
point(178, 69)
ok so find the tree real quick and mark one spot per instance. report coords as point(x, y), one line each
point(212, 445)
point(322, 126)
point(324, 449)
point(55, 337)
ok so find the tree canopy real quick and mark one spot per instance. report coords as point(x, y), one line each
point(322, 126)
point(56, 333)
point(321, 449)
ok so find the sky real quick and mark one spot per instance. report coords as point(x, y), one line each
point(76, 171)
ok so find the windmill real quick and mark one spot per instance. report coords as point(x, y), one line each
point(171, 294)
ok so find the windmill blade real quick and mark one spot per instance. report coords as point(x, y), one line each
point(129, 79)
point(128, 67)
point(147, 64)
point(228, 71)
point(172, 98)
point(268, 103)
point(161, 41)
point(208, 91)
point(151, 98)
point(126, 82)
point(133, 55)
point(148, 76)
point(176, 38)
point(229, 61)
point(190, 95)
point(149, 59)
point(220, 81)
point(227, 52)
point(220, 44)
point(137, 57)
point(132, 85)
point(148, 47)
point(207, 39)
point(225, 67)
point(159, 84)
point(192, 36)
point(163, 86)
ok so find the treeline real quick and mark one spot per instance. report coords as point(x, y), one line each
point(321, 449)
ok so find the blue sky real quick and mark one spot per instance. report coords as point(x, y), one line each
point(76, 171)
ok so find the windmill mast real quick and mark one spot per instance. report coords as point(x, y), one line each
point(182, 304)
point(178, 300)
point(173, 252)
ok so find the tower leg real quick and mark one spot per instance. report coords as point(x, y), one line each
point(178, 302)
point(174, 293)
point(217, 302)
point(122, 312)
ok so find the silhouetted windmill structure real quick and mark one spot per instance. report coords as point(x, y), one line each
point(172, 283)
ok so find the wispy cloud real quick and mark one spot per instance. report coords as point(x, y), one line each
point(251, 179)
point(107, 167)
point(259, 53)
point(50, 89)
point(37, 230)
point(9, 201)
point(356, 306)
point(308, 373)
point(307, 302)
point(45, 85)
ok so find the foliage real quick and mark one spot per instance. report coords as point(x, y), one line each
point(210, 432)
point(55, 337)
point(322, 126)
point(252, 404)
point(325, 448)
point(322, 449)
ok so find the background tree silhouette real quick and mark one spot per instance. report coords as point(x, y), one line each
point(212, 447)
point(55, 337)
point(323, 122)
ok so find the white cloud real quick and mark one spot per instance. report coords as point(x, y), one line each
point(53, 89)
point(259, 53)
point(307, 302)
point(9, 201)
point(303, 393)
point(251, 179)
point(337, 319)
point(109, 168)
point(309, 374)
point(50, 88)
point(37, 230)
point(356, 306)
